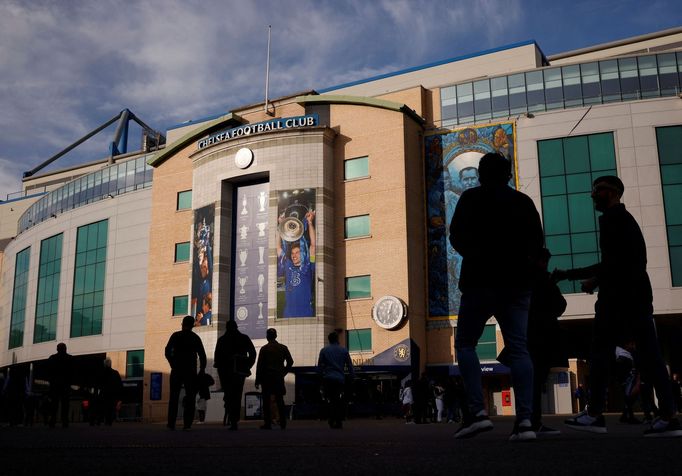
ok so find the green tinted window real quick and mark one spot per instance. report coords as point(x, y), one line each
point(135, 364)
point(182, 251)
point(357, 226)
point(88, 279)
point(669, 140)
point(359, 340)
point(358, 287)
point(567, 168)
point(180, 305)
point(487, 344)
point(184, 200)
point(47, 302)
point(19, 294)
point(356, 168)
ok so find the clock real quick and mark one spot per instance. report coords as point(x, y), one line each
point(388, 312)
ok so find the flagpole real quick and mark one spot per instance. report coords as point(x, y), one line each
point(267, 72)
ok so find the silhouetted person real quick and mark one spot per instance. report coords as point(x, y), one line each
point(182, 350)
point(111, 389)
point(274, 362)
point(60, 371)
point(498, 233)
point(234, 357)
point(623, 311)
point(15, 393)
point(332, 364)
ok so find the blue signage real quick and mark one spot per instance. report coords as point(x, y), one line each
point(156, 382)
point(309, 120)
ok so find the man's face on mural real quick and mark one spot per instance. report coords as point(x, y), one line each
point(469, 178)
point(296, 255)
point(204, 268)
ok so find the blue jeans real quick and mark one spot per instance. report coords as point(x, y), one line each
point(510, 308)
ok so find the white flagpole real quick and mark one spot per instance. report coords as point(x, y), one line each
point(267, 72)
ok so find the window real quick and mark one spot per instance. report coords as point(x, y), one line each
point(359, 340)
point(184, 200)
point(356, 168)
point(482, 105)
point(465, 102)
point(135, 364)
point(567, 168)
point(47, 302)
point(180, 305)
point(669, 141)
point(358, 287)
point(88, 280)
point(182, 251)
point(487, 344)
point(18, 317)
point(357, 226)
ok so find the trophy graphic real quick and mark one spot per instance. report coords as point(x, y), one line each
point(244, 210)
point(261, 228)
point(261, 250)
point(243, 253)
point(290, 226)
point(242, 282)
point(243, 231)
point(242, 313)
point(261, 201)
point(260, 310)
point(261, 281)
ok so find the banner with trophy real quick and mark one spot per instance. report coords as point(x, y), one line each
point(296, 240)
point(202, 265)
point(250, 259)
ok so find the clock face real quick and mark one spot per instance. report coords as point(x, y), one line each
point(388, 312)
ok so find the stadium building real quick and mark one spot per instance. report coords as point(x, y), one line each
point(329, 210)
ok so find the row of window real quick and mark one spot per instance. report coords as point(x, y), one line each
point(87, 301)
point(568, 166)
point(596, 82)
point(114, 180)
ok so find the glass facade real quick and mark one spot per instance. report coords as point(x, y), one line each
point(358, 287)
point(567, 168)
point(88, 280)
point(356, 227)
point(356, 168)
point(669, 140)
point(18, 317)
point(182, 251)
point(180, 305)
point(560, 87)
point(116, 179)
point(359, 340)
point(184, 200)
point(47, 301)
point(135, 364)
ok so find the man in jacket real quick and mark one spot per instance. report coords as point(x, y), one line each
point(332, 364)
point(274, 362)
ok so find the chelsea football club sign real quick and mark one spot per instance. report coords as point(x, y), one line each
point(309, 120)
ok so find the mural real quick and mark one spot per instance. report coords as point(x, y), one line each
point(296, 253)
point(202, 265)
point(451, 168)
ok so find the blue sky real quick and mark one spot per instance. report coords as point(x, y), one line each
point(68, 66)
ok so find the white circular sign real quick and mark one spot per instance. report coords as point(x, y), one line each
point(243, 158)
point(388, 312)
point(242, 313)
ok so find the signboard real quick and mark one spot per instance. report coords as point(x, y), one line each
point(155, 385)
point(202, 266)
point(309, 120)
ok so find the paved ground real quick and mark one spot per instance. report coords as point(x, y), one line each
point(309, 447)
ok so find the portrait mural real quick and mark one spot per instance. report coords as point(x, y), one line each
point(296, 253)
point(202, 265)
point(451, 168)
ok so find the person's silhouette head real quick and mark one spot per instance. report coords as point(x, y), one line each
point(271, 334)
point(231, 327)
point(61, 348)
point(333, 338)
point(494, 170)
point(187, 323)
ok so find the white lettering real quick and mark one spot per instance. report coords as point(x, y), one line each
point(260, 127)
point(310, 121)
point(288, 123)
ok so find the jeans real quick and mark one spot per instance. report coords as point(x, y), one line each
point(233, 388)
point(178, 378)
point(510, 308)
point(607, 334)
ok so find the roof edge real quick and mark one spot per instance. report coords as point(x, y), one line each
point(171, 149)
point(361, 101)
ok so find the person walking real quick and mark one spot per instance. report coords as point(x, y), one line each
point(182, 350)
point(496, 279)
point(60, 369)
point(234, 357)
point(274, 362)
point(332, 364)
point(623, 311)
